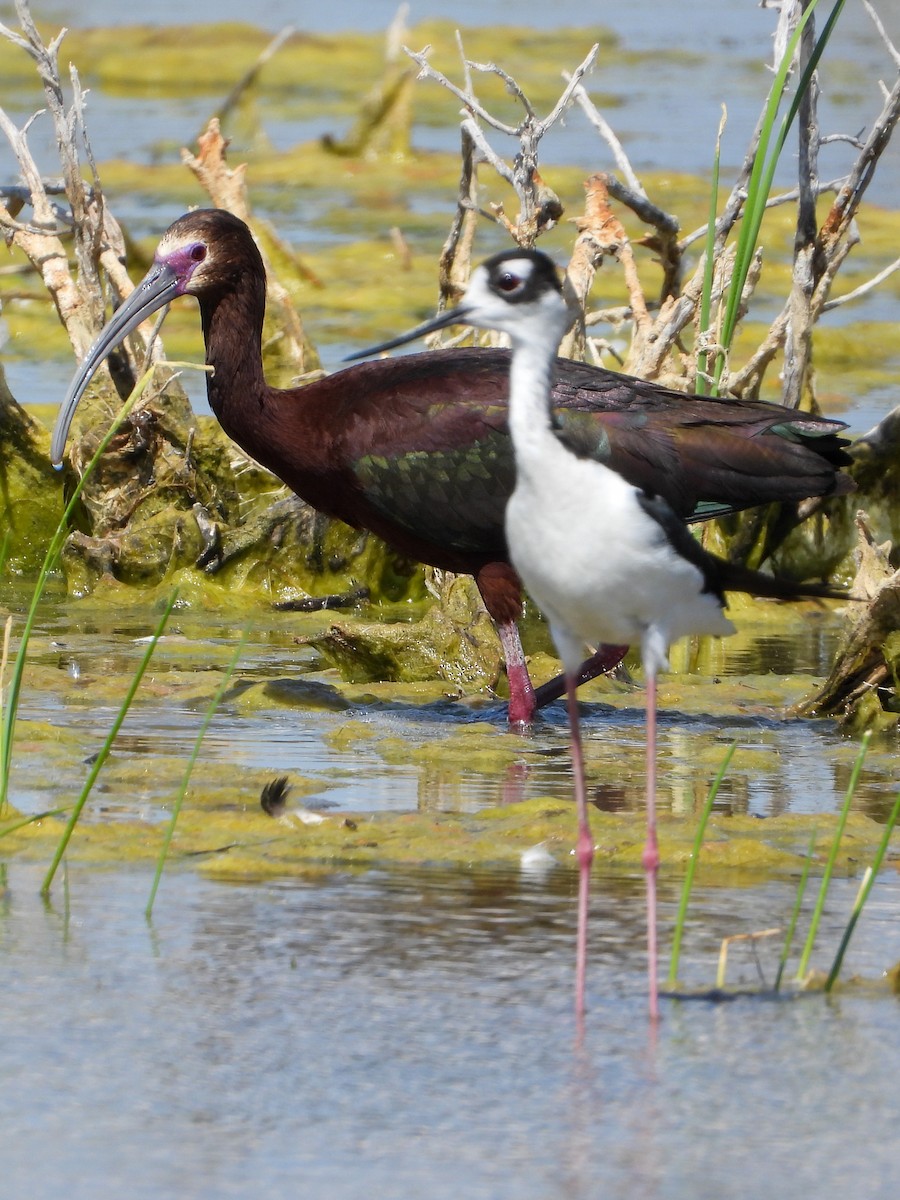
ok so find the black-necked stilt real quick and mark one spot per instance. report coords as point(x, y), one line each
point(606, 562)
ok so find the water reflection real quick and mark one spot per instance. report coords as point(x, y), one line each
point(409, 1034)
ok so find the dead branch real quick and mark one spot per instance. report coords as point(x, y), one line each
point(833, 242)
point(849, 197)
point(610, 236)
point(539, 205)
point(99, 243)
point(249, 78)
point(598, 233)
point(40, 242)
point(863, 288)
point(799, 331)
point(778, 201)
point(664, 243)
point(456, 254)
point(600, 123)
point(862, 670)
point(876, 21)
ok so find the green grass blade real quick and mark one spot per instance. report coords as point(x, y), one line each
point(4, 660)
point(763, 171)
point(692, 867)
point(210, 712)
point(7, 729)
point(832, 857)
point(107, 745)
point(709, 265)
point(761, 196)
point(798, 903)
point(863, 895)
point(23, 821)
point(10, 709)
point(750, 222)
point(809, 70)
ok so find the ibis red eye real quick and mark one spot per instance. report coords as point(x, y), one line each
point(198, 252)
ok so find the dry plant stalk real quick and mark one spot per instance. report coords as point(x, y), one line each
point(600, 234)
point(656, 351)
point(862, 669)
point(99, 244)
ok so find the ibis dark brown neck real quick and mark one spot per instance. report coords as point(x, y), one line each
point(284, 430)
point(232, 329)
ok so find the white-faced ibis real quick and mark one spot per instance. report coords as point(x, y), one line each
point(606, 562)
point(416, 449)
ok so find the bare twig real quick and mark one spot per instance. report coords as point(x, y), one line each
point(456, 254)
point(40, 242)
point(476, 135)
point(863, 289)
point(848, 199)
point(664, 243)
point(426, 71)
point(540, 207)
point(599, 233)
point(778, 201)
point(876, 21)
point(249, 78)
point(511, 86)
point(600, 123)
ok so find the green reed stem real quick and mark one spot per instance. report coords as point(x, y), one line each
point(863, 894)
point(832, 856)
point(692, 867)
point(798, 903)
point(176, 811)
point(763, 170)
point(107, 745)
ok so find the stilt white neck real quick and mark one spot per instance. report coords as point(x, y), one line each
point(530, 381)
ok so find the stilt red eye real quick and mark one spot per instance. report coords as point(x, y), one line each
point(508, 282)
point(198, 252)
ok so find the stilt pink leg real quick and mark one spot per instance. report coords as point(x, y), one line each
point(584, 849)
point(521, 693)
point(603, 660)
point(651, 849)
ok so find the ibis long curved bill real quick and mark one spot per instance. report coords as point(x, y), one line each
point(453, 316)
point(160, 285)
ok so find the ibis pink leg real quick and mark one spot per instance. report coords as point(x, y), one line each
point(521, 693)
point(584, 848)
point(651, 849)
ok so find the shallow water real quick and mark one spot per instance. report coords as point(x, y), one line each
point(406, 1032)
point(410, 1035)
point(397, 748)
